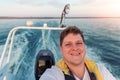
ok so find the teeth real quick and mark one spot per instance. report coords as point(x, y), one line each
point(75, 54)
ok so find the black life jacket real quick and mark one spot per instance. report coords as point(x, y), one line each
point(71, 77)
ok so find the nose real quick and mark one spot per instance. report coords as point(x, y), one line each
point(74, 47)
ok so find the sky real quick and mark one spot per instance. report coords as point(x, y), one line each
point(54, 8)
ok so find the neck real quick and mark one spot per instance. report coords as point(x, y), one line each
point(77, 70)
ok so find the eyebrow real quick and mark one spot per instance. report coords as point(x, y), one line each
point(70, 41)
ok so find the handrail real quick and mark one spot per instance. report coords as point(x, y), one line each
point(11, 37)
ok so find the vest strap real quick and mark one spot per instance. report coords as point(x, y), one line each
point(69, 77)
point(91, 74)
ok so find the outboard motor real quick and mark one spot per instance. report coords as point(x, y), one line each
point(44, 59)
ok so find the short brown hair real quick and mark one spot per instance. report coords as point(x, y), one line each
point(70, 29)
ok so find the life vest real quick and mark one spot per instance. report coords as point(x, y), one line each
point(92, 68)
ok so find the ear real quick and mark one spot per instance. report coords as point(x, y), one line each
point(61, 50)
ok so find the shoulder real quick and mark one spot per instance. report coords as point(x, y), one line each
point(53, 73)
point(105, 72)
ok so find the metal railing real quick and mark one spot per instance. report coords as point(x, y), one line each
point(11, 35)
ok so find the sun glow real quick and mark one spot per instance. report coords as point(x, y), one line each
point(80, 8)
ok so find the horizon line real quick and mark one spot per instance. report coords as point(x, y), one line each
point(45, 17)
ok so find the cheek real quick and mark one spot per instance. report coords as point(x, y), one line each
point(65, 50)
point(82, 47)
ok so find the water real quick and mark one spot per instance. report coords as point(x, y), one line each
point(102, 38)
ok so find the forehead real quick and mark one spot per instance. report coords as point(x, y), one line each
point(72, 37)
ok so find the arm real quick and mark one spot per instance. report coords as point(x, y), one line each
point(53, 73)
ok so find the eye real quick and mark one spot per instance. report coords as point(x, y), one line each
point(68, 44)
point(79, 43)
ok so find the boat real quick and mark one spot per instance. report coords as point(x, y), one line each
point(44, 58)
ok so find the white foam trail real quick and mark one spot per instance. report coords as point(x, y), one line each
point(20, 42)
point(48, 43)
point(1, 49)
point(92, 55)
point(48, 36)
point(43, 38)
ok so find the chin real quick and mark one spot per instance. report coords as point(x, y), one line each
point(78, 62)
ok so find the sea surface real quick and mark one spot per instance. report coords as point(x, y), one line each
point(102, 39)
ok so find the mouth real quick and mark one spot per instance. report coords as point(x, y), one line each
point(75, 54)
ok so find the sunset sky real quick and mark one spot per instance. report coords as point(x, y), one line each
point(53, 8)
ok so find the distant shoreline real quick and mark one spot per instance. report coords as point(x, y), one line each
point(54, 17)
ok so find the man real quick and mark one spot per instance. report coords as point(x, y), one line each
point(74, 65)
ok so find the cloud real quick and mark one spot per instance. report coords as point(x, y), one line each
point(30, 2)
point(54, 3)
point(77, 7)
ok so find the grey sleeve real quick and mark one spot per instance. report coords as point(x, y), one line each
point(53, 73)
point(105, 73)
